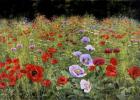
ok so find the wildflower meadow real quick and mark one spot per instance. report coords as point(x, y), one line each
point(70, 58)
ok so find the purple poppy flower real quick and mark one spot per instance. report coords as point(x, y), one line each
point(14, 49)
point(19, 46)
point(32, 46)
point(86, 60)
point(77, 53)
point(76, 71)
point(93, 27)
point(85, 40)
point(39, 51)
point(81, 31)
point(90, 48)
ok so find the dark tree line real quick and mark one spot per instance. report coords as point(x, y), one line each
point(98, 8)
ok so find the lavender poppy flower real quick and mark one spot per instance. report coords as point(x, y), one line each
point(135, 40)
point(81, 31)
point(86, 60)
point(32, 46)
point(85, 40)
point(77, 53)
point(39, 51)
point(14, 49)
point(90, 48)
point(76, 71)
point(85, 85)
point(19, 46)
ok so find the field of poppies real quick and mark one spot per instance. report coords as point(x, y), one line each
point(75, 58)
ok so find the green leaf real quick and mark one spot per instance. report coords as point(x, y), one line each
point(65, 73)
point(121, 97)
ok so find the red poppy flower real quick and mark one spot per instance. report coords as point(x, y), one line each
point(62, 80)
point(15, 61)
point(136, 33)
point(34, 73)
point(119, 36)
point(10, 35)
point(60, 35)
point(19, 75)
point(7, 67)
point(111, 71)
point(59, 45)
point(52, 50)
point(2, 85)
point(98, 61)
point(91, 68)
point(3, 75)
point(51, 34)
point(2, 39)
point(51, 39)
point(11, 72)
point(14, 39)
point(34, 25)
point(12, 83)
point(113, 34)
point(8, 61)
point(105, 36)
point(2, 64)
point(46, 83)
point(12, 80)
point(108, 50)
point(113, 61)
point(102, 43)
point(116, 50)
point(16, 68)
point(23, 71)
point(54, 61)
point(134, 72)
point(46, 56)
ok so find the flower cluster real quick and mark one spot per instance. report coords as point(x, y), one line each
point(11, 71)
point(86, 60)
point(49, 55)
point(109, 50)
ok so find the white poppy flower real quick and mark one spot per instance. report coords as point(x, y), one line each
point(85, 85)
point(90, 48)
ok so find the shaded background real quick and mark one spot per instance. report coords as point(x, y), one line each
point(99, 8)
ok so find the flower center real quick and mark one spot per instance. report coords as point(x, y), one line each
point(34, 73)
point(78, 71)
point(86, 61)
